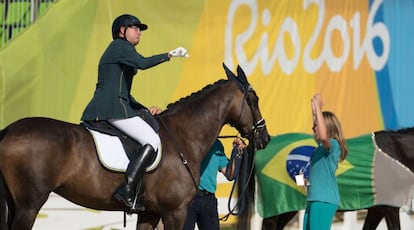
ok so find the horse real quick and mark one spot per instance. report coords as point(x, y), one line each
point(397, 144)
point(40, 155)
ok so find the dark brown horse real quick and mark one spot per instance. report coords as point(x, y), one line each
point(41, 155)
point(399, 145)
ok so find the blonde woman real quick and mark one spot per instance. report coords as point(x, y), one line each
point(323, 195)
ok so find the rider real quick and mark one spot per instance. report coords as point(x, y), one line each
point(113, 102)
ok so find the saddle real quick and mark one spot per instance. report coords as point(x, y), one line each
point(130, 145)
point(115, 149)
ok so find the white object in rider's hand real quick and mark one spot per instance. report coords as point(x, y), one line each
point(179, 52)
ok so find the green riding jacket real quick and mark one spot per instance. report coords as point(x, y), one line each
point(118, 65)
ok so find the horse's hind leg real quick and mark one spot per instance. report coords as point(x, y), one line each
point(25, 212)
point(284, 219)
point(269, 223)
point(372, 219)
point(376, 213)
point(4, 208)
point(277, 222)
point(392, 217)
point(5, 216)
point(24, 219)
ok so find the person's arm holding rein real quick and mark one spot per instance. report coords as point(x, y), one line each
point(228, 171)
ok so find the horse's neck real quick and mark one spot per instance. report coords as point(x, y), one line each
point(200, 121)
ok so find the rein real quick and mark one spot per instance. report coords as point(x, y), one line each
point(180, 153)
point(240, 204)
point(245, 180)
point(228, 136)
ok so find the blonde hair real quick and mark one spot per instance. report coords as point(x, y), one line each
point(334, 130)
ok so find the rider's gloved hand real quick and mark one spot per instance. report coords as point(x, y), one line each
point(179, 52)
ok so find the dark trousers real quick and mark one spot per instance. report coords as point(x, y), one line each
point(203, 211)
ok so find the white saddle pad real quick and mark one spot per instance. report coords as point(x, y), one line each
point(112, 155)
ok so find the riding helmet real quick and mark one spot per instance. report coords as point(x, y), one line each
point(126, 20)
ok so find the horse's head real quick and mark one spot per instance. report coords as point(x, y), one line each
point(248, 119)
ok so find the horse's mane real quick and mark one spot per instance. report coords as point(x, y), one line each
point(196, 95)
point(408, 130)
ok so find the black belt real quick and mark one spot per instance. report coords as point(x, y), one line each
point(204, 193)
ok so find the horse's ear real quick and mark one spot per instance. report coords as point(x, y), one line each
point(231, 76)
point(242, 77)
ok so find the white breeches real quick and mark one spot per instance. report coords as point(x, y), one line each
point(139, 130)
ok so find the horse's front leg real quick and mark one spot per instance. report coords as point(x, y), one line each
point(147, 222)
point(175, 220)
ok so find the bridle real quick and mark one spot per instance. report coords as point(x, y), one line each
point(245, 180)
point(258, 124)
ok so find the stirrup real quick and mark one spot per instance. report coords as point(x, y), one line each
point(137, 207)
point(133, 205)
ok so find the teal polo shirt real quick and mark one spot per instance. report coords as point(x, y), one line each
point(323, 164)
point(214, 161)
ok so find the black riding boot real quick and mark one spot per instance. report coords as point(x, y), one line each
point(126, 192)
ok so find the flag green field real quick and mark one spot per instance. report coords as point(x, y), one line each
point(279, 194)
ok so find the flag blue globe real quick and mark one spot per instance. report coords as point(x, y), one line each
point(298, 160)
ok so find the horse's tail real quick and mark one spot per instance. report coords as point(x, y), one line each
point(2, 134)
point(246, 191)
point(4, 207)
point(5, 215)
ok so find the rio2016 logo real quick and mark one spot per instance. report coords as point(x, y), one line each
point(376, 32)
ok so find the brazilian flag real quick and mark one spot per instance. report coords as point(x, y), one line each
point(367, 177)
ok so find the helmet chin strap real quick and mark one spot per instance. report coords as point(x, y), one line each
point(125, 29)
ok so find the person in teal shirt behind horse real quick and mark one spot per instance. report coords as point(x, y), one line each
point(203, 210)
point(112, 100)
point(323, 195)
